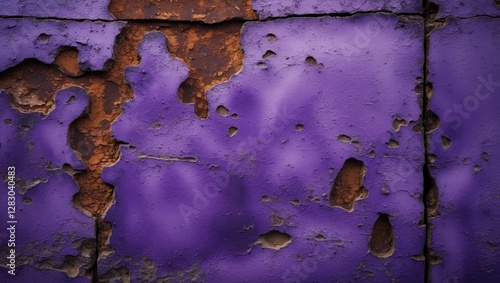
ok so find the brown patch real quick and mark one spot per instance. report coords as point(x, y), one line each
point(431, 121)
point(431, 196)
point(445, 142)
point(67, 62)
point(212, 11)
point(212, 53)
point(275, 240)
point(103, 237)
point(382, 240)
point(398, 123)
point(348, 185)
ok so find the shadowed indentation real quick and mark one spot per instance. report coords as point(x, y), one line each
point(382, 241)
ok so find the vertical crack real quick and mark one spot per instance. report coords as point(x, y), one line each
point(430, 122)
point(95, 273)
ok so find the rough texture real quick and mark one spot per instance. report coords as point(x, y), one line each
point(51, 234)
point(261, 164)
point(62, 9)
point(465, 72)
point(45, 38)
point(271, 8)
point(458, 8)
point(211, 11)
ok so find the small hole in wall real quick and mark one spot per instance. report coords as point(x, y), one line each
point(431, 121)
point(295, 202)
point(223, 111)
point(27, 201)
point(71, 100)
point(398, 123)
point(477, 168)
point(392, 144)
point(299, 127)
point(382, 240)
point(431, 158)
point(311, 61)
point(8, 122)
point(261, 65)
point(497, 2)
point(43, 37)
point(271, 37)
point(348, 185)
point(371, 154)
point(275, 240)
point(265, 198)
point(485, 156)
point(268, 54)
point(445, 142)
point(344, 138)
point(232, 131)
point(319, 237)
point(234, 116)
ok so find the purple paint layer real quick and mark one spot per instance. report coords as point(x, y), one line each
point(193, 196)
point(61, 9)
point(458, 8)
point(43, 39)
point(464, 69)
point(50, 233)
point(270, 8)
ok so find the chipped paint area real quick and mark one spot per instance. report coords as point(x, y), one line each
point(215, 205)
point(183, 10)
point(61, 9)
point(272, 9)
point(47, 37)
point(51, 234)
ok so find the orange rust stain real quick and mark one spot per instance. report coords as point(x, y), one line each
point(212, 52)
point(211, 11)
point(348, 185)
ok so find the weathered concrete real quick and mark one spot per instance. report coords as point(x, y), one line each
point(199, 194)
point(457, 8)
point(61, 9)
point(270, 8)
point(44, 39)
point(464, 70)
point(50, 234)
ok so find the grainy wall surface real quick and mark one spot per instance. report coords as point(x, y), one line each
point(249, 141)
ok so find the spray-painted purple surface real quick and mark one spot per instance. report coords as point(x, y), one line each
point(61, 9)
point(271, 8)
point(190, 197)
point(465, 70)
point(43, 39)
point(459, 8)
point(49, 228)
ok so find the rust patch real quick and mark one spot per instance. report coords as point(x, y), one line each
point(348, 185)
point(212, 11)
point(67, 62)
point(212, 52)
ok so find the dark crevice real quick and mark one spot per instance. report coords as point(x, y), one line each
point(94, 269)
point(430, 122)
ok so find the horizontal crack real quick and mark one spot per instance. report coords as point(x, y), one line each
point(168, 158)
